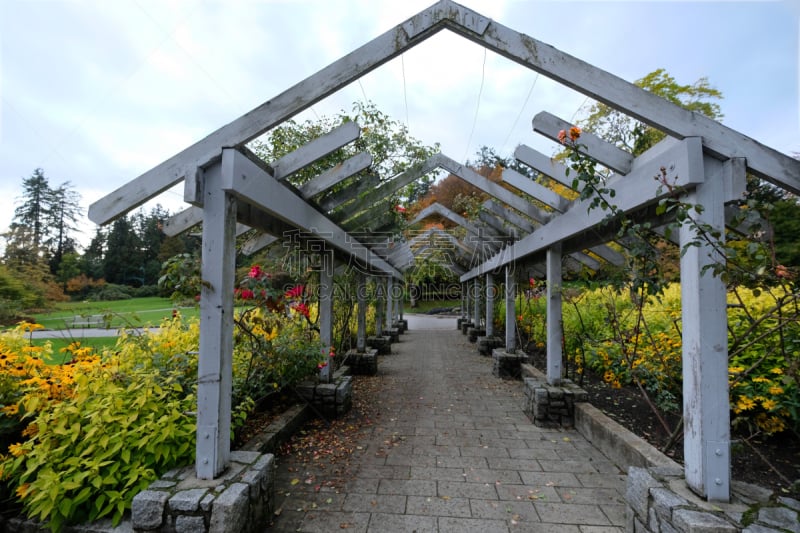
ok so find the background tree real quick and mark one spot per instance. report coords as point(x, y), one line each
point(44, 223)
point(636, 136)
point(122, 261)
point(392, 149)
point(34, 210)
point(63, 213)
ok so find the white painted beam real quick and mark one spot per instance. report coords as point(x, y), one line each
point(719, 140)
point(491, 188)
point(547, 196)
point(271, 113)
point(605, 153)
point(633, 192)
point(335, 175)
point(315, 150)
point(509, 216)
point(249, 183)
point(550, 167)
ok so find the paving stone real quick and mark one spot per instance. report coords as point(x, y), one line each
point(402, 523)
point(471, 525)
point(407, 486)
point(781, 517)
point(453, 451)
point(563, 513)
point(553, 479)
point(486, 475)
point(528, 465)
point(438, 506)
point(527, 493)
point(524, 511)
point(598, 496)
point(461, 462)
point(325, 522)
point(444, 474)
point(375, 503)
point(483, 451)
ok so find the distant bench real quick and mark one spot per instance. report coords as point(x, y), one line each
point(90, 321)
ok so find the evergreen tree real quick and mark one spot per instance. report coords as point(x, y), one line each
point(64, 211)
point(123, 256)
point(30, 218)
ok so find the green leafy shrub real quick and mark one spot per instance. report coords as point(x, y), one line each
point(92, 453)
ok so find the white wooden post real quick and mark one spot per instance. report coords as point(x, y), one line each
point(705, 349)
point(215, 363)
point(463, 302)
point(476, 288)
point(361, 296)
point(466, 287)
point(326, 316)
point(489, 304)
point(378, 306)
point(389, 303)
point(554, 352)
point(511, 310)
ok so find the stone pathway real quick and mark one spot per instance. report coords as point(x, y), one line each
point(452, 451)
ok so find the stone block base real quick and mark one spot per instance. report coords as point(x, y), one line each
point(380, 343)
point(465, 326)
point(328, 399)
point(658, 499)
point(241, 500)
point(552, 405)
point(364, 363)
point(474, 333)
point(507, 365)
point(401, 326)
point(487, 344)
point(393, 334)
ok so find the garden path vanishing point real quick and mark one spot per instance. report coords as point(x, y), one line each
point(452, 451)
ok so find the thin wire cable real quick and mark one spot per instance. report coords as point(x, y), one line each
point(405, 93)
point(521, 109)
point(572, 119)
point(363, 92)
point(477, 107)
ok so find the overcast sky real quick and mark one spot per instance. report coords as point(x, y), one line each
point(98, 92)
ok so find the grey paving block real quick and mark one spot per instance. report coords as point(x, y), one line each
point(438, 506)
point(483, 451)
point(434, 473)
point(419, 487)
point(552, 479)
point(486, 475)
point(598, 496)
point(530, 465)
point(461, 462)
point(471, 525)
point(527, 493)
point(325, 522)
point(564, 513)
point(402, 523)
point(451, 489)
point(519, 511)
point(375, 503)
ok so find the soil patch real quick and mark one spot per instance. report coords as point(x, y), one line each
point(772, 463)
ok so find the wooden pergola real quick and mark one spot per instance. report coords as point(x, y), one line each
point(226, 185)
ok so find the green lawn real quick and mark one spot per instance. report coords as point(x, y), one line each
point(135, 312)
point(98, 344)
